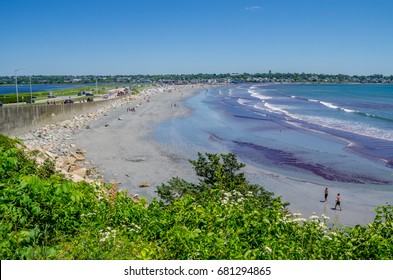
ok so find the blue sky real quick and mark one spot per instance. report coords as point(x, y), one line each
point(207, 36)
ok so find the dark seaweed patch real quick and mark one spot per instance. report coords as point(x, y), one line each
point(284, 158)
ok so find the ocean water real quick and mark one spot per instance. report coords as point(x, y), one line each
point(335, 134)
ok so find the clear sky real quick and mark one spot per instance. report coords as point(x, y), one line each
point(112, 37)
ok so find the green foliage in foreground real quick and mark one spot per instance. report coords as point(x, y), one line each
point(44, 216)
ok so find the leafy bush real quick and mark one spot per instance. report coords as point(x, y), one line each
point(45, 216)
point(215, 172)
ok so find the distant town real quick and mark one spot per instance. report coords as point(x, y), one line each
point(200, 78)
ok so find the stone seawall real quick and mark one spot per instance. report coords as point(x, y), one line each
point(20, 120)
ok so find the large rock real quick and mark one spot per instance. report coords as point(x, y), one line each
point(79, 151)
point(52, 156)
point(81, 172)
point(60, 163)
point(76, 178)
point(78, 157)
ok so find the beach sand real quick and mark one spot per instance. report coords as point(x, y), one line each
point(123, 148)
point(121, 144)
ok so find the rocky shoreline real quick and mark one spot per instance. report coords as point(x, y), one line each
point(55, 141)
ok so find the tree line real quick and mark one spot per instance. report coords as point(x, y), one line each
point(200, 77)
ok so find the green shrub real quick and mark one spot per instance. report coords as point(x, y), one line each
point(45, 216)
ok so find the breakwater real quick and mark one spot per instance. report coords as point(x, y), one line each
point(19, 120)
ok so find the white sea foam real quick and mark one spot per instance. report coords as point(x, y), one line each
point(259, 107)
point(335, 107)
point(333, 123)
point(329, 105)
point(350, 126)
point(349, 110)
point(242, 101)
point(259, 95)
point(277, 108)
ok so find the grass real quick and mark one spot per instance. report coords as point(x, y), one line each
point(71, 92)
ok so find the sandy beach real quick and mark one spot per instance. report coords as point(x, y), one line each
point(120, 143)
point(122, 148)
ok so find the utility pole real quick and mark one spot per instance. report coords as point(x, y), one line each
point(31, 93)
point(16, 84)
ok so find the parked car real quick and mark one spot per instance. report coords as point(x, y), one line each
point(1, 104)
point(68, 101)
point(29, 101)
point(106, 96)
point(90, 99)
point(51, 95)
point(89, 94)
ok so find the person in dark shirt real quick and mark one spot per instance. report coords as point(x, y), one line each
point(338, 202)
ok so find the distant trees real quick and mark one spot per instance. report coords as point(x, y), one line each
point(200, 77)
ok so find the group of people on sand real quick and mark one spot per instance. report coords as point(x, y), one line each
point(338, 198)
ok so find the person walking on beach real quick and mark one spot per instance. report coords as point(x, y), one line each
point(338, 202)
point(326, 192)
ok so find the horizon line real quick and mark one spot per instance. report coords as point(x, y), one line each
point(200, 73)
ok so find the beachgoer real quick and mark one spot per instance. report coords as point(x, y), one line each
point(338, 201)
point(326, 192)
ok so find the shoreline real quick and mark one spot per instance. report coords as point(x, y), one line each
point(124, 149)
point(57, 141)
point(121, 145)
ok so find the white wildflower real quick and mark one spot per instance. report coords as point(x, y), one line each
point(299, 220)
point(327, 237)
point(325, 217)
point(314, 217)
point(268, 249)
point(322, 225)
point(285, 221)
point(296, 214)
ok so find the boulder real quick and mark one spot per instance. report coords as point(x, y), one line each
point(76, 178)
point(81, 172)
point(52, 156)
point(78, 157)
point(80, 151)
point(70, 160)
